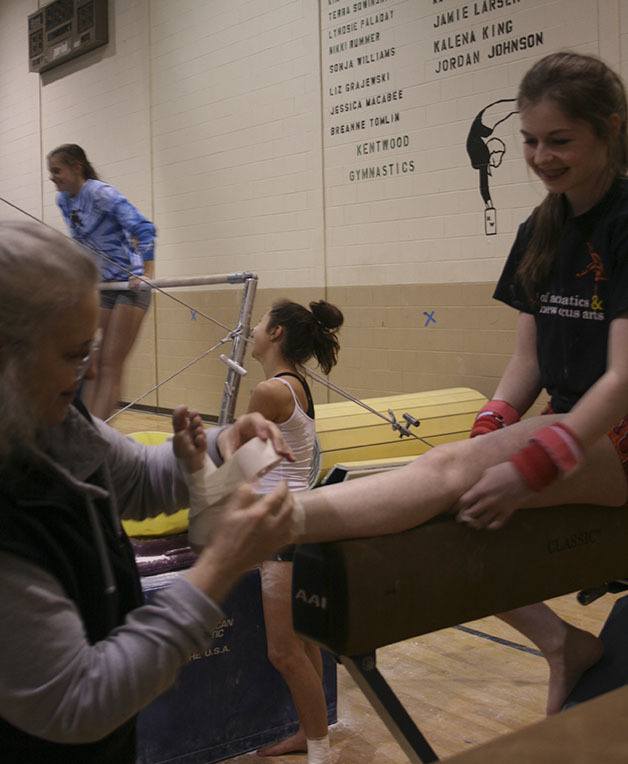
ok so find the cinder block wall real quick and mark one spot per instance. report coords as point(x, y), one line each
point(397, 338)
point(224, 122)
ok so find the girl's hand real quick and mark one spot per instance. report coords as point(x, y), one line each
point(149, 269)
point(250, 426)
point(492, 501)
point(190, 441)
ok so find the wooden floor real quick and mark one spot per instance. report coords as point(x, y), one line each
point(461, 686)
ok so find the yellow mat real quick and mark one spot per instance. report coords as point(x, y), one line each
point(160, 525)
point(348, 433)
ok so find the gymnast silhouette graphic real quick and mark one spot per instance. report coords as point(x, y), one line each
point(596, 267)
point(487, 151)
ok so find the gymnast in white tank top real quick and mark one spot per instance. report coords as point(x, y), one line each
point(286, 337)
point(299, 432)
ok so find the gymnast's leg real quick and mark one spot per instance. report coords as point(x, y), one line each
point(119, 332)
point(298, 662)
point(90, 386)
point(394, 501)
point(568, 651)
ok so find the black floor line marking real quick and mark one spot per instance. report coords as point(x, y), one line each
point(500, 640)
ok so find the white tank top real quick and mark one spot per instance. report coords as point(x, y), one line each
point(299, 432)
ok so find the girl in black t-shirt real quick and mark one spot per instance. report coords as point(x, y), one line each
point(568, 278)
point(567, 275)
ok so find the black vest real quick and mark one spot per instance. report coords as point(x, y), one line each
point(45, 521)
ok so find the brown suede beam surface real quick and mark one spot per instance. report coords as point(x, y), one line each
point(355, 596)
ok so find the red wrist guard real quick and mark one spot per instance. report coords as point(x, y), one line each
point(562, 444)
point(494, 415)
point(535, 466)
point(552, 450)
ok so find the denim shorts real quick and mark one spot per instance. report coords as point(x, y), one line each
point(136, 298)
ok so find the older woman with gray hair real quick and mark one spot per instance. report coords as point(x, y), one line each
point(80, 654)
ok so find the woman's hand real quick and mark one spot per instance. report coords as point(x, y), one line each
point(250, 530)
point(492, 501)
point(135, 282)
point(190, 441)
point(149, 269)
point(250, 426)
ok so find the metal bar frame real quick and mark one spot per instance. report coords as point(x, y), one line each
point(238, 350)
point(241, 333)
point(364, 672)
point(240, 277)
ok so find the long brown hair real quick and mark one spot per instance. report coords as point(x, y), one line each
point(584, 88)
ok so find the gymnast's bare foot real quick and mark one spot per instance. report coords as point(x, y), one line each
point(294, 744)
point(579, 651)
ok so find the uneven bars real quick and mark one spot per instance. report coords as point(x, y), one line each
point(184, 281)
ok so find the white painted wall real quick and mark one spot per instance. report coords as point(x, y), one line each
point(20, 133)
point(215, 119)
point(236, 139)
point(427, 225)
point(102, 102)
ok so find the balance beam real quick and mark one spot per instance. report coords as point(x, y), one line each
point(355, 596)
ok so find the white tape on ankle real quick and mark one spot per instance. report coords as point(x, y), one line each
point(318, 751)
point(210, 487)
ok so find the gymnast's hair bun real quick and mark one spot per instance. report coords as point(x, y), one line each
point(327, 315)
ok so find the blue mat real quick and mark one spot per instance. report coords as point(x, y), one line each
point(229, 700)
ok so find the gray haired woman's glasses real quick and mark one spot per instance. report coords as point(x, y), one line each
point(85, 362)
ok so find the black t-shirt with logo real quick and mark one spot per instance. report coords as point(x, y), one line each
point(586, 290)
